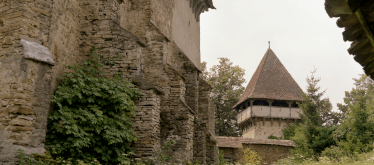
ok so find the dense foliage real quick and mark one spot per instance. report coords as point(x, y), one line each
point(315, 134)
point(356, 133)
point(251, 157)
point(226, 80)
point(92, 118)
point(335, 134)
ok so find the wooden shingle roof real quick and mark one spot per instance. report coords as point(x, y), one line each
point(357, 17)
point(271, 80)
point(236, 142)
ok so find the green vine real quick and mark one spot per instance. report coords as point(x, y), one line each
point(92, 116)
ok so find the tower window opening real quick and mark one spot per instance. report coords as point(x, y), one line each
point(279, 103)
point(261, 102)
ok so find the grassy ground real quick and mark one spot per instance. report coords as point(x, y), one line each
point(361, 159)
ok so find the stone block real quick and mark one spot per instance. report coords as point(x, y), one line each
point(19, 128)
point(20, 122)
point(35, 51)
point(21, 110)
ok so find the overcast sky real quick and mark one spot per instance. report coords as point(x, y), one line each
point(302, 35)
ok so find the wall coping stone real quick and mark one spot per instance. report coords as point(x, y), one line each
point(236, 142)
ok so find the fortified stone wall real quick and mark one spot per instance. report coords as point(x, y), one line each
point(263, 128)
point(269, 150)
point(269, 153)
point(174, 104)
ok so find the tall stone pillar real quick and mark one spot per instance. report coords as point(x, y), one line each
point(25, 71)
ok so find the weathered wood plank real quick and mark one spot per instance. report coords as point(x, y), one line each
point(357, 45)
point(365, 27)
point(350, 32)
point(347, 20)
point(335, 8)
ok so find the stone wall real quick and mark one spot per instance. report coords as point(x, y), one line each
point(174, 105)
point(269, 150)
point(263, 128)
point(270, 153)
point(25, 84)
point(186, 30)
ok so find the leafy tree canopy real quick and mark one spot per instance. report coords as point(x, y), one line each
point(358, 126)
point(226, 81)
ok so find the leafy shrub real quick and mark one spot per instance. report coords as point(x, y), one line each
point(351, 145)
point(26, 160)
point(289, 131)
point(221, 158)
point(93, 115)
point(251, 157)
point(274, 137)
point(334, 153)
point(47, 159)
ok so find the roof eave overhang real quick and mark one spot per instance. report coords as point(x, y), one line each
point(357, 30)
point(259, 98)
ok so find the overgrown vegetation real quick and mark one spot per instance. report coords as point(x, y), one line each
point(251, 157)
point(221, 158)
point(359, 159)
point(274, 137)
point(328, 137)
point(92, 118)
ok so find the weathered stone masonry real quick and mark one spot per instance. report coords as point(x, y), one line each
point(159, 42)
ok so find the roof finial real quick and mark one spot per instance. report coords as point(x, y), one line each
point(269, 44)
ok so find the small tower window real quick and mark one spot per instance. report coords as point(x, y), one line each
point(261, 102)
point(278, 103)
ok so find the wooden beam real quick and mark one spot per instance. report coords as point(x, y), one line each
point(334, 8)
point(357, 46)
point(263, 121)
point(255, 123)
point(347, 20)
point(351, 31)
point(368, 58)
point(364, 26)
point(271, 121)
point(369, 69)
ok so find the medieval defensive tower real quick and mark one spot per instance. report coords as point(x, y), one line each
point(268, 104)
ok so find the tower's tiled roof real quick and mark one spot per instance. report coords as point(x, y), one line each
point(271, 81)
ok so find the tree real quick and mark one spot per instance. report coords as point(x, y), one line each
point(363, 85)
point(226, 81)
point(357, 128)
point(317, 109)
point(315, 134)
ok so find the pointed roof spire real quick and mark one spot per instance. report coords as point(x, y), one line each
point(271, 81)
